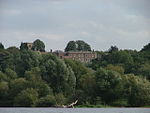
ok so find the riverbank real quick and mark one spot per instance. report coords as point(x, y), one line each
point(107, 106)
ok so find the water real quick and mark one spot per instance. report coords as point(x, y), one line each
point(74, 110)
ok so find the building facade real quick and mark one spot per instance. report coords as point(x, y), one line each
point(29, 45)
point(83, 56)
point(26, 45)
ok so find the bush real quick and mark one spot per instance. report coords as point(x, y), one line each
point(26, 98)
point(60, 99)
point(47, 101)
point(120, 103)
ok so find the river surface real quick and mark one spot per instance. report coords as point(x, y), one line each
point(74, 110)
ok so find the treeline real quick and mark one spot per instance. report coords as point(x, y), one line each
point(115, 78)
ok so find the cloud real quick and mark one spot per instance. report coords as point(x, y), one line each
point(16, 37)
point(84, 33)
point(10, 12)
point(99, 22)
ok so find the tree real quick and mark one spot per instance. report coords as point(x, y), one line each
point(23, 46)
point(113, 49)
point(71, 83)
point(145, 70)
point(60, 99)
point(146, 48)
point(137, 90)
point(17, 85)
point(109, 85)
point(35, 81)
point(120, 57)
point(78, 45)
point(48, 101)
point(82, 46)
point(28, 59)
point(88, 86)
point(10, 74)
point(38, 45)
point(15, 58)
point(78, 68)
point(117, 68)
point(3, 76)
point(5, 59)
point(1, 46)
point(56, 73)
point(4, 89)
point(26, 98)
point(71, 46)
point(34, 74)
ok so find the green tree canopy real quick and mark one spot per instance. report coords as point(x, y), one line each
point(4, 91)
point(23, 46)
point(71, 46)
point(113, 49)
point(137, 90)
point(48, 101)
point(26, 98)
point(109, 85)
point(38, 45)
point(17, 85)
point(1, 46)
point(116, 78)
point(82, 46)
point(78, 45)
point(146, 47)
point(56, 73)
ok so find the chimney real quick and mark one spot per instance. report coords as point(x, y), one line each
point(51, 50)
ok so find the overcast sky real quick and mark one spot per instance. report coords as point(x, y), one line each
point(101, 23)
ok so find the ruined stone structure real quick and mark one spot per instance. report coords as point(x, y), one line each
point(83, 56)
point(29, 45)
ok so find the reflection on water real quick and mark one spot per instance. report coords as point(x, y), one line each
point(74, 110)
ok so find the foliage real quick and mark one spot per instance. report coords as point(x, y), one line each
point(27, 97)
point(146, 47)
point(23, 46)
point(109, 85)
point(117, 68)
point(71, 46)
point(38, 45)
point(17, 85)
point(48, 101)
point(78, 45)
point(138, 90)
point(3, 88)
point(10, 74)
point(115, 78)
point(1, 46)
point(145, 70)
point(120, 103)
point(4, 91)
point(113, 49)
point(82, 46)
point(56, 73)
point(60, 99)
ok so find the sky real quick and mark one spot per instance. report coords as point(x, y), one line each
point(100, 23)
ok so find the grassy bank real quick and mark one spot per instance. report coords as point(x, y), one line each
point(92, 106)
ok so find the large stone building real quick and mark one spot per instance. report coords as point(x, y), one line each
point(27, 45)
point(83, 56)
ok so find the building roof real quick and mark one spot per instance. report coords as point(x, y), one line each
point(80, 52)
